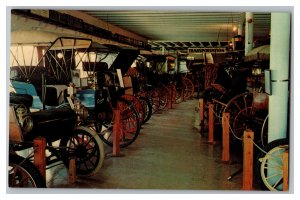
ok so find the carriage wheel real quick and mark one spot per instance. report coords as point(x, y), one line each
point(211, 95)
point(163, 96)
point(137, 104)
point(239, 107)
point(154, 100)
point(174, 92)
point(130, 125)
point(22, 173)
point(87, 148)
point(179, 93)
point(243, 120)
point(189, 88)
point(264, 132)
point(145, 102)
point(269, 166)
point(198, 87)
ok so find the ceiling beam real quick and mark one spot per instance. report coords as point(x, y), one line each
point(103, 24)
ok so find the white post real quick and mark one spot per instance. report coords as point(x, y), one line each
point(163, 50)
point(248, 32)
point(176, 65)
point(240, 25)
point(279, 66)
point(240, 29)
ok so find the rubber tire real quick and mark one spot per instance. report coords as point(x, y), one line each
point(137, 104)
point(26, 166)
point(163, 96)
point(98, 150)
point(153, 97)
point(148, 108)
point(189, 88)
point(268, 148)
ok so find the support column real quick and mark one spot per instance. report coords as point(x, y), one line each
point(248, 32)
point(241, 25)
point(176, 65)
point(163, 50)
point(279, 66)
point(240, 29)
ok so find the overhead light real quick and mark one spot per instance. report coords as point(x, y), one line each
point(148, 65)
point(234, 28)
point(60, 55)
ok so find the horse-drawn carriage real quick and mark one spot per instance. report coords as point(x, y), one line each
point(57, 92)
point(244, 98)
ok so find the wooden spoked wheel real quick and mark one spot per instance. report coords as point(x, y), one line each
point(189, 88)
point(239, 108)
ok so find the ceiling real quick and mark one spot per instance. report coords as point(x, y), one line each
point(179, 30)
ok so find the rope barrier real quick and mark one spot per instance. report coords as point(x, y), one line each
point(231, 130)
point(262, 130)
point(27, 157)
point(257, 146)
point(238, 138)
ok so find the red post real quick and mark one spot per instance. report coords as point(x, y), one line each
point(285, 169)
point(72, 171)
point(201, 114)
point(156, 100)
point(39, 145)
point(171, 95)
point(116, 133)
point(248, 160)
point(225, 137)
point(210, 123)
point(174, 96)
point(169, 99)
point(182, 91)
